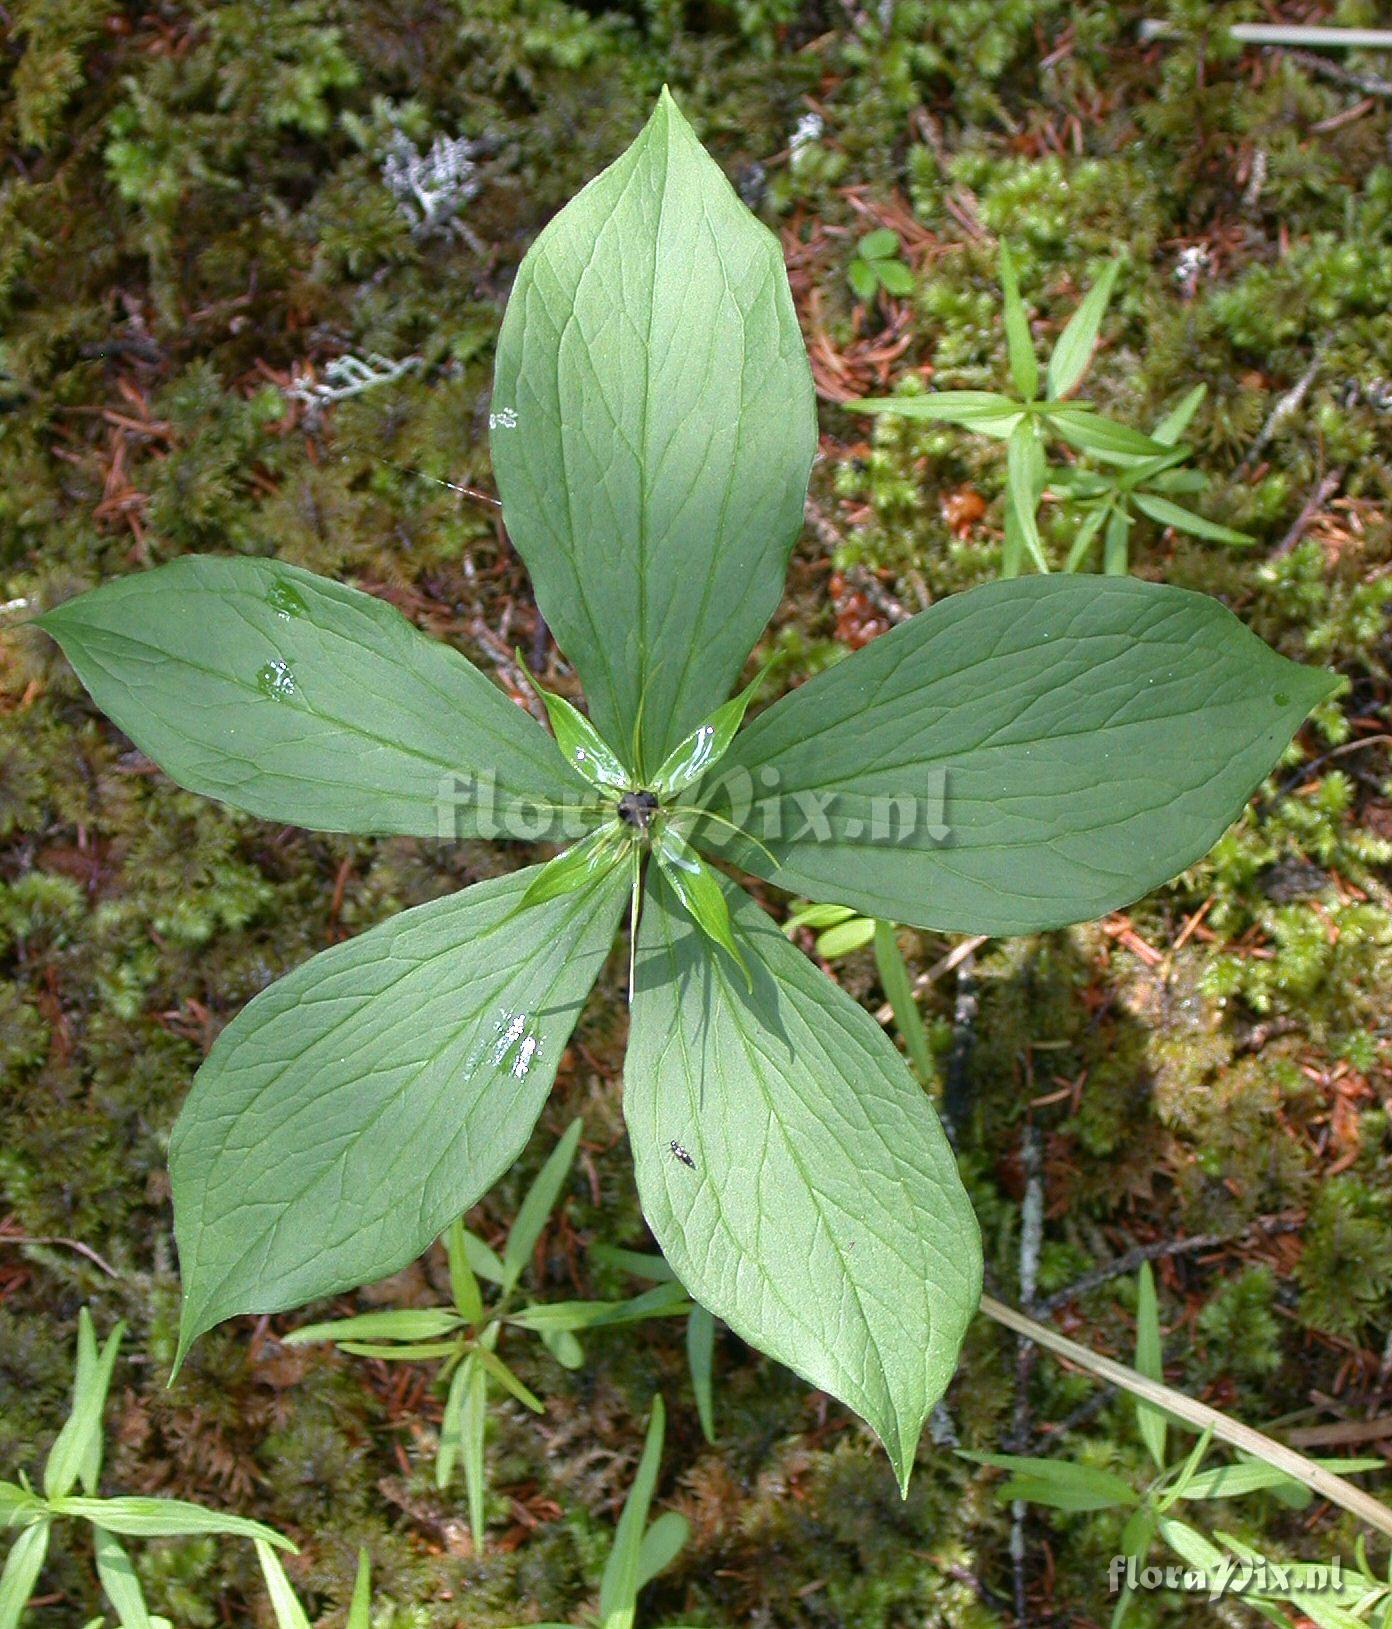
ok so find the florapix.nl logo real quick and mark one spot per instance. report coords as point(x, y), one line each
point(1231, 1576)
point(758, 805)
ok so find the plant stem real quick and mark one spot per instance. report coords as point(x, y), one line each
point(1199, 1415)
point(894, 980)
point(960, 952)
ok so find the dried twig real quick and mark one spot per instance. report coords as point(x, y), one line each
point(1123, 1266)
point(955, 957)
point(1369, 84)
point(1282, 411)
point(1031, 1243)
point(1279, 35)
point(68, 1244)
point(956, 1101)
point(1316, 501)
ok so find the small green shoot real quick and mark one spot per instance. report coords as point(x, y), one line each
point(285, 1607)
point(75, 1460)
point(1140, 474)
point(877, 265)
point(1062, 1485)
point(464, 1336)
point(640, 1550)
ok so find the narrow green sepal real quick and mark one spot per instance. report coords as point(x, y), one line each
point(581, 744)
point(707, 744)
point(698, 889)
point(584, 862)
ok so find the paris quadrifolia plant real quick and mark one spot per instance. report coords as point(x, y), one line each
point(1031, 753)
point(1140, 474)
point(75, 1461)
point(465, 1335)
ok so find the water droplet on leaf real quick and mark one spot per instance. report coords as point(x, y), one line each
point(286, 600)
point(276, 681)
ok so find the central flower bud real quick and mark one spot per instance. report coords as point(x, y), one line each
point(637, 808)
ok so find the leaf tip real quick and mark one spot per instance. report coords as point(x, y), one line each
point(191, 1327)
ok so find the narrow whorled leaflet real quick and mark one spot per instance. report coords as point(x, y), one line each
point(1079, 741)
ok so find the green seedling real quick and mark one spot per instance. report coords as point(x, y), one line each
point(1108, 501)
point(840, 931)
point(1182, 1478)
point(75, 1460)
point(877, 265)
point(1031, 753)
point(464, 1336)
point(1145, 475)
point(285, 1606)
point(641, 1549)
point(700, 1326)
point(1353, 1598)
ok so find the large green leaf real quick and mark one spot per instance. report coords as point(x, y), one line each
point(818, 1210)
point(360, 1104)
point(1018, 757)
point(653, 429)
point(301, 700)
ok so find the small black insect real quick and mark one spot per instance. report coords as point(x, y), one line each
point(679, 1153)
point(637, 809)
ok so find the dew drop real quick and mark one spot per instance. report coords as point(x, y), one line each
point(276, 681)
point(286, 600)
point(1281, 699)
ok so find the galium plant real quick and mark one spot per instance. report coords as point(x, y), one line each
point(1031, 753)
point(1108, 501)
point(1141, 474)
point(1184, 1478)
point(700, 1326)
point(641, 1550)
point(285, 1605)
point(465, 1334)
point(1351, 1597)
point(75, 1460)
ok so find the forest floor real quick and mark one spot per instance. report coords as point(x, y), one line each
point(198, 226)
